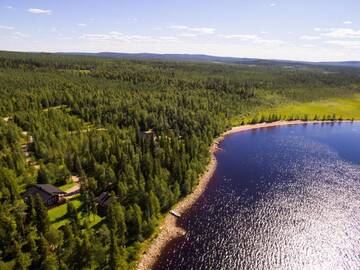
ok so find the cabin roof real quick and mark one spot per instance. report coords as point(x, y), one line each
point(33, 191)
point(104, 198)
point(50, 189)
point(45, 191)
point(150, 131)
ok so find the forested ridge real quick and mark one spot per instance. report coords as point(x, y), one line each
point(139, 130)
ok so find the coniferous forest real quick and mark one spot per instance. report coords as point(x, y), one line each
point(136, 132)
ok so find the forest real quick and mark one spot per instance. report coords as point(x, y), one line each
point(139, 130)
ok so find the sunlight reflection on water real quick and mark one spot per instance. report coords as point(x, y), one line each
point(298, 208)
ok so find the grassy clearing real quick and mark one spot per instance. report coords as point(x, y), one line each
point(58, 215)
point(67, 111)
point(66, 186)
point(62, 107)
point(76, 71)
point(343, 108)
point(60, 211)
point(91, 220)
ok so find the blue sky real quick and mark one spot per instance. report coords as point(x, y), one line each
point(272, 29)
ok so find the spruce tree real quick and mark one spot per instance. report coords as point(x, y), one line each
point(42, 219)
point(114, 255)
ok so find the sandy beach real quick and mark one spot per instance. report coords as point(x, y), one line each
point(168, 228)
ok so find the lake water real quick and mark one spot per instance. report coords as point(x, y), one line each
point(281, 198)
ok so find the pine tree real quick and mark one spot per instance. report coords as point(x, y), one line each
point(30, 211)
point(119, 216)
point(42, 220)
point(154, 205)
point(44, 252)
point(137, 222)
point(114, 255)
point(43, 176)
point(49, 263)
point(176, 191)
point(73, 216)
point(21, 262)
point(68, 247)
point(31, 248)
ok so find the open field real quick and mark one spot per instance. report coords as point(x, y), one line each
point(343, 108)
point(58, 214)
point(67, 186)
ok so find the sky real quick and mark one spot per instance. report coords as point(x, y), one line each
point(309, 30)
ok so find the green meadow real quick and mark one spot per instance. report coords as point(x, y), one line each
point(337, 108)
point(59, 215)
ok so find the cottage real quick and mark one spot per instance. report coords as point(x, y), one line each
point(50, 194)
point(103, 201)
point(149, 134)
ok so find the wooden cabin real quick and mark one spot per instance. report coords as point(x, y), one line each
point(148, 134)
point(103, 201)
point(51, 195)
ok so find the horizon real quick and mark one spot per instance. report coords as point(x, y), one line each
point(261, 29)
point(79, 53)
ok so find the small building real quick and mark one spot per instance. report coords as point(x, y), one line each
point(51, 195)
point(148, 134)
point(103, 201)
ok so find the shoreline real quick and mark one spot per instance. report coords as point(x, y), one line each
point(168, 229)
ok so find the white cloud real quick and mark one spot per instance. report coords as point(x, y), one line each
point(40, 11)
point(9, 7)
point(198, 30)
point(16, 36)
point(62, 37)
point(223, 47)
point(270, 42)
point(317, 29)
point(188, 35)
point(347, 44)
point(11, 33)
point(272, 5)
point(20, 35)
point(82, 24)
point(120, 37)
point(4, 27)
point(347, 33)
point(254, 39)
point(308, 46)
point(348, 22)
point(242, 37)
point(305, 37)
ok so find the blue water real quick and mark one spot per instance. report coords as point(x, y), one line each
point(281, 198)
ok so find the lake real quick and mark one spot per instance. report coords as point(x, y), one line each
point(281, 198)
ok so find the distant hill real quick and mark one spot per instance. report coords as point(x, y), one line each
point(218, 59)
point(355, 64)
